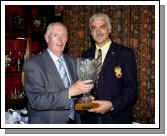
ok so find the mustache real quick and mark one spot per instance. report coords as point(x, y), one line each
point(99, 35)
point(59, 44)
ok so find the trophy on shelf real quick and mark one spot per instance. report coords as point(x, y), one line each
point(8, 61)
point(86, 71)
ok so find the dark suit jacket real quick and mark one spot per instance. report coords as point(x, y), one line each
point(47, 97)
point(121, 90)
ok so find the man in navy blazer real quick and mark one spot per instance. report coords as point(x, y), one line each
point(48, 97)
point(116, 89)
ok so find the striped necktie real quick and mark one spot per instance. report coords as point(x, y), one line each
point(66, 82)
point(99, 65)
point(63, 73)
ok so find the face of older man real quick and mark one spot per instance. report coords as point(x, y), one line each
point(56, 39)
point(100, 31)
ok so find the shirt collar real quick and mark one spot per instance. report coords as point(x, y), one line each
point(53, 56)
point(105, 47)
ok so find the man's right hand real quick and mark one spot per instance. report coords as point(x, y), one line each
point(80, 87)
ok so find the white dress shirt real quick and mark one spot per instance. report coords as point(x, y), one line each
point(55, 59)
point(104, 50)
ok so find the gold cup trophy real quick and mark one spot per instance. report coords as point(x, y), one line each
point(86, 69)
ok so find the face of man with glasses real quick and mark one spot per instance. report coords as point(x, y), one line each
point(57, 38)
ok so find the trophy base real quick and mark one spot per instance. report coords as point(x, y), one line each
point(86, 106)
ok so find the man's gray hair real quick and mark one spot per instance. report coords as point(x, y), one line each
point(106, 17)
point(50, 26)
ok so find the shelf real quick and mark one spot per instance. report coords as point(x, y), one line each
point(24, 37)
point(13, 72)
point(16, 35)
point(16, 103)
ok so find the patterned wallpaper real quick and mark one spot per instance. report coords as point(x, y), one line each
point(132, 26)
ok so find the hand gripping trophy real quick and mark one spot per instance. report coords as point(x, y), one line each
point(86, 69)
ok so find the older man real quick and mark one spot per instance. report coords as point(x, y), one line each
point(50, 81)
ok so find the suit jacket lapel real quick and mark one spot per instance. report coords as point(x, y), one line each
point(110, 57)
point(92, 54)
point(89, 54)
point(52, 69)
point(70, 69)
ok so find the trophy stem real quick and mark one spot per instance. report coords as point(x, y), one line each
point(86, 98)
point(85, 103)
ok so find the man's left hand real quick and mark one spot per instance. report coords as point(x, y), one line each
point(104, 106)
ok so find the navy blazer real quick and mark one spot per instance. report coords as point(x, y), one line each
point(117, 83)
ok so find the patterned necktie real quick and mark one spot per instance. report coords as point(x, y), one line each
point(99, 65)
point(64, 77)
point(63, 74)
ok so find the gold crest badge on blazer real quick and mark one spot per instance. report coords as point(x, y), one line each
point(118, 72)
